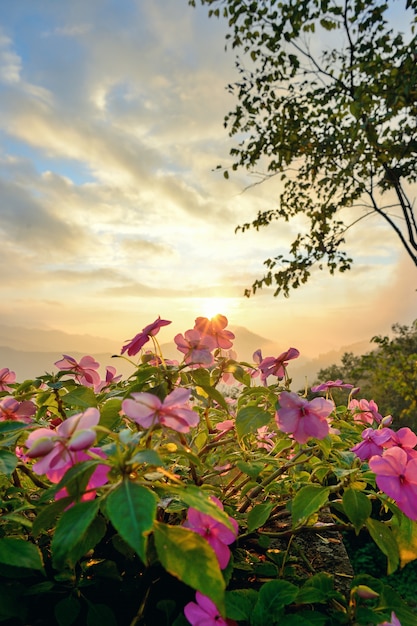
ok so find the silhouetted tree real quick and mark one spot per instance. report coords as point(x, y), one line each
point(327, 100)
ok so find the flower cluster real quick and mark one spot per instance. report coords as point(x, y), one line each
point(198, 343)
point(160, 451)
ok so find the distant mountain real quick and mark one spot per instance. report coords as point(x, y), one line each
point(303, 371)
point(29, 364)
point(39, 340)
point(33, 352)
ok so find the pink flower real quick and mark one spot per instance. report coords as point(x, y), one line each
point(404, 438)
point(331, 384)
point(225, 426)
point(217, 534)
point(215, 328)
point(153, 359)
point(394, 621)
point(98, 478)
point(365, 411)
point(57, 448)
point(265, 438)
point(373, 443)
point(196, 347)
point(204, 612)
point(6, 378)
point(136, 344)
point(84, 372)
point(174, 412)
point(271, 366)
point(396, 475)
point(12, 409)
point(302, 418)
point(110, 379)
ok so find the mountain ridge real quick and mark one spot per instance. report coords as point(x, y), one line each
point(30, 361)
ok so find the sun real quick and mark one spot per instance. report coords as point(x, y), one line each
point(209, 307)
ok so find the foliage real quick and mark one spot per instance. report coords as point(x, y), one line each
point(158, 498)
point(327, 101)
point(367, 559)
point(388, 374)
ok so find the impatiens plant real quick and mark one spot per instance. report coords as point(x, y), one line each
point(176, 496)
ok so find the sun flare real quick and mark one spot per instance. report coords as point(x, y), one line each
point(210, 307)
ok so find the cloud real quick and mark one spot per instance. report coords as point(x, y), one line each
point(29, 223)
point(10, 62)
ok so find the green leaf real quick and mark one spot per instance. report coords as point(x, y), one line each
point(240, 603)
point(70, 531)
point(201, 377)
point(273, 597)
point(200, 500)
point(11, 605)
point(110, 415)
point(8, 462)
point(357, 507)
point(214, 394)
point(148, 456)
point(318, 588)
point(188, 556)
point(131, 508)
point(258, 515)
point(251, 469)
point(82, 397)
point(249, 419)
point(48, 515)
point(308, 501)
point(20, 553)
point(67, 610)
point(385, 541)
point(100, 615)
point(9, 426)
point(75, 479)
point(305, 618)
point(405, 532)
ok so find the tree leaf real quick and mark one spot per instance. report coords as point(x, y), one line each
point(189, 557)
point(307, 501)
point(131, 508)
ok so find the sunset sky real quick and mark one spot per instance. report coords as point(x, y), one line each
point(111, 210)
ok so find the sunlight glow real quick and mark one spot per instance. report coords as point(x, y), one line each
point(209, 307)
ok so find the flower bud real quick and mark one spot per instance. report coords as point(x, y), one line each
point(41, 447)
point(365, 592)
point(387, 420)
point(81, 440)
